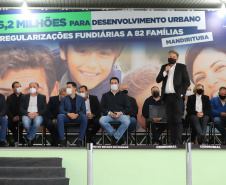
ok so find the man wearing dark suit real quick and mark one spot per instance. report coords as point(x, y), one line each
point(199, 112)
point(13, 112)
point(93, 113)
point(72, 110)
point(175, 83)
point(32, 108)
point(3, 121)
point(52, 113)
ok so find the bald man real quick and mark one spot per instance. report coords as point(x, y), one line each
point(132, 114)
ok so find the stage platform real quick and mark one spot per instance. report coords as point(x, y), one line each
point(134, 165)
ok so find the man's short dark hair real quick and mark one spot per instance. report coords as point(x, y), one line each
point(154, 87)
point(34, 83)
point(72, 83)
point(114, 78)
point(222, 88)
point(13, 84)
point(18, 57)
point(83, 86)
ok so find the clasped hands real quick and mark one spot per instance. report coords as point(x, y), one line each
point(32, 115)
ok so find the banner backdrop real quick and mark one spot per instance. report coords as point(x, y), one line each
point(53, 47)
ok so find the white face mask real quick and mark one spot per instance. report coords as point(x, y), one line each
point(189, 93)
point(32, 90)
point(114, 87)
point(19, 90)
point(83, 95)
point(69, 91)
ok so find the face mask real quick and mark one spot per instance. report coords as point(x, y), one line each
point(114, 87)
point(19, 90)
point(171, 60)
point(32, 90)
point(83, 95)
point(69, 91)
point(199, 91)
point(188, 93)
point(155, 94)
point(125, 91)
point(222, 97)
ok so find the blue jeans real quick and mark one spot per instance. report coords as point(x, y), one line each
point(3, 123)
point(125, 121)
point(220, 123)
point(82, 119)
point(131, 128)
point(31, 129)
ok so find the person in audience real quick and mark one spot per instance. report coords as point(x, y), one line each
point(199, 112)
point(72, 110)
point(13, 112)
point(219, 112)
point(132, 115)
point(115, 106)
point(156, 100)
point(3, 121)
point(52, 113)
point(25, 63)
point(93, 113)
point(33, 109)
point(92, 63)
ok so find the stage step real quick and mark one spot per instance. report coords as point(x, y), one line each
point(34, 181)
point(30, 162)
point(32, 171)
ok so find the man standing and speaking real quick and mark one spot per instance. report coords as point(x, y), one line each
point(175, 83)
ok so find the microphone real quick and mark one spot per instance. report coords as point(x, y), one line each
point(168, 71)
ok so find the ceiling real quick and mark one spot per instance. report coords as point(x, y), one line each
point(114, 4)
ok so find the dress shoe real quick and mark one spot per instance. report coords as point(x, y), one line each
point(78, 143)
point(29, 143)
point(199, 140)
point(63, 143)
point(120, 141)
point(204, 140)
point(113, 140)
point(3, 144)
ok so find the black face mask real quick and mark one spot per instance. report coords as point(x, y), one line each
point(155, 94)
point(199, 91)
point(222, 97)
point(171, 60)
point(125, 91)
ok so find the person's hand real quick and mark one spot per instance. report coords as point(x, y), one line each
point(54, 121)
point(16, 118)
point(128, 116)
point(70, 115)
point(156, 119)
point(200, 114)
point(35, 114)
point(74, 116)
point(118, 114)
point(167, 68)
point(112, 114)
point(30, 115)
point(223, 114)
point(90, 116)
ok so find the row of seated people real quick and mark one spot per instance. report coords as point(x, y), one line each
point(31, 109)
point(199, 110)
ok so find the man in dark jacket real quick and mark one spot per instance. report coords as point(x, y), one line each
point(3, 121)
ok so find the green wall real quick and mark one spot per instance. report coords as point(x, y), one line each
point(133, 167)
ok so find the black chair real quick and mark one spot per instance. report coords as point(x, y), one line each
point(115, 124)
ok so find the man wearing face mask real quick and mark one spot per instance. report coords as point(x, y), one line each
point(132, 115)
point(175, 81)
point(72, 110)
point(33, 109)
point(115, 106)
point(156, 100)
point(219, 112)
point(13, 113)
point(93, 113)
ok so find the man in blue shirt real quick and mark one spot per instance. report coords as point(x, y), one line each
point(72, 110)
point(156, 100)
point(219, 112)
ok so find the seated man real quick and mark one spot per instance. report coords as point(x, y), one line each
point(52, 113)
point(219, 112)
point(93, 113)
point(3, 121)
point(13, 113)
point(132, 115)
point(72, 110)
point(115, 106)
point(155, 99)
point(32, 108)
